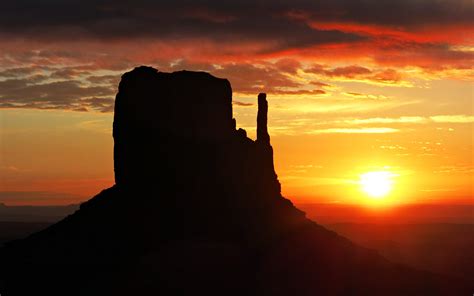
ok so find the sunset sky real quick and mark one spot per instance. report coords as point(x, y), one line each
point(354, 86)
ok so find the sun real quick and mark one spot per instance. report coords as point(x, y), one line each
point(376, 184)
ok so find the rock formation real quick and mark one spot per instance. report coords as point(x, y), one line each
point(262, 129)
point(154, 110)
point(196, 209)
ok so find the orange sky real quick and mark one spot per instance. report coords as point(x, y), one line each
point(350, 91)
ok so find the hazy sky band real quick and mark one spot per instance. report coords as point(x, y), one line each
point(392, 77)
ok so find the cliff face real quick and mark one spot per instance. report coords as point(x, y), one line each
point(154, 111)
point(196, 209)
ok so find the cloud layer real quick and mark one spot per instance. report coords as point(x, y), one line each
point(70, 54)
point(223, 19)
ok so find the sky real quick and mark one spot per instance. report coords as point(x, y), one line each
point(354, 86)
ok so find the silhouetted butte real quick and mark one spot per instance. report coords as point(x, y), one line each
point(196, 209)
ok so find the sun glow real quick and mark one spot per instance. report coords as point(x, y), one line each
point(376, 184)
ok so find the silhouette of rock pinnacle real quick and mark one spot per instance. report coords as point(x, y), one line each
point(262, 130)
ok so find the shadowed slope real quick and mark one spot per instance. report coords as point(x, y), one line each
point(196, 209)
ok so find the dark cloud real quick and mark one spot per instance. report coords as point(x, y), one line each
point(77, 89)
point(218, 19)
point(252, 79)
point(320, 84)
point(274, 78)
point(405, 13)
point(67, 88)
point(227, 22)
point(348, 71)
point(118, 35)
point(354, 94)
point(387, 76)
point(104, 79)
point(14, 72)
point(80, 109)
point(429, 56)
point(299, 92)
point(290, 66)
point(100, 104)
point(67, 94)
point(68, 73)
point(242, 104)
point(62, 54)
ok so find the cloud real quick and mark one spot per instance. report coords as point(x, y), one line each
point(357, 73)
point(466, 169)
point(230, 22)
point(306, 124)
point(66, 94)
point(298, 92)
point(349, 71)
point(386, 76)
point(242, 104)
point(83, 88)
point(387, 120)
point(365, 96)
point(378, 30)
point(19, 71)
point(286, 65)
point(320, 84)
point(253, 78)
point(114, 19)
point(99, 104)
point(458, 118)
point(114, 34)
point(453, 118)
point(68, 73)
point(367, 130)
point(104, 79)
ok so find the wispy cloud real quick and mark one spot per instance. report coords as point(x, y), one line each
point(385, 120)
point(242, 104)
point(406, 120)
point(453, 118)
point(368, 130)
point(383, 76)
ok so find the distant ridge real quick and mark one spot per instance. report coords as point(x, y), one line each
point(197, 210)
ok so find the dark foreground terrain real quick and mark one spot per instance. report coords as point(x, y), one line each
point(441, 248)
point(18, 230)
point(197, 210)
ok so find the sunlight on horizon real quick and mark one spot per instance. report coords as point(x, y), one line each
point(377, 184)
